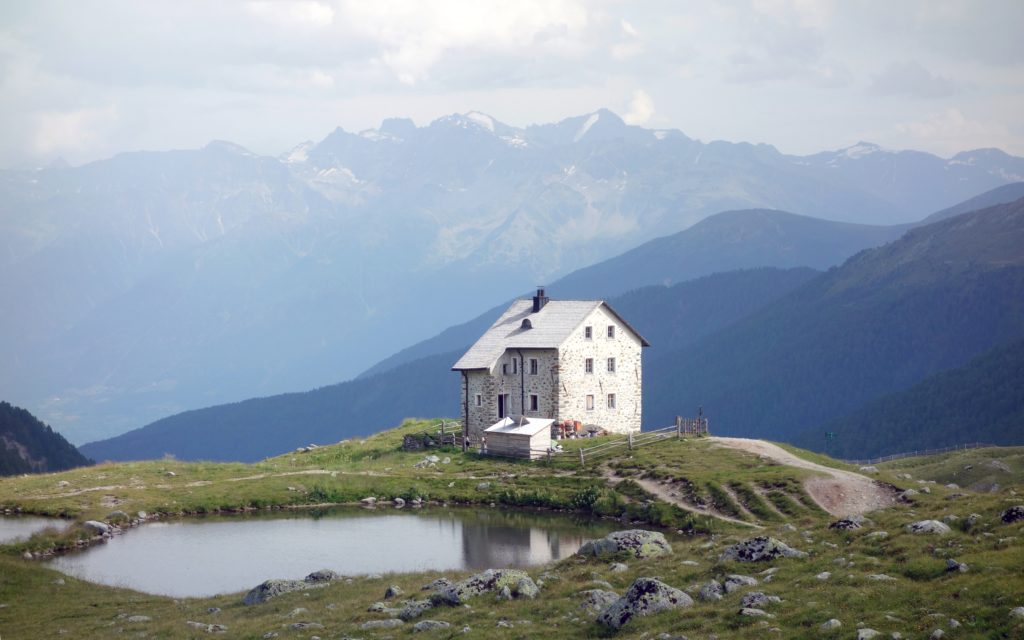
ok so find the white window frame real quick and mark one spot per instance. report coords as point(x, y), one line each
point(588, 332)
point(611, 365)
point(611, 332)
point(534, 402)
point(590, 402)
point(588, 366)
point(611, 401)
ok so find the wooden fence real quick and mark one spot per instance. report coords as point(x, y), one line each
point(446, 432)
point(923, 452)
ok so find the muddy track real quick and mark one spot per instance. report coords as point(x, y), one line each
point(841, 493)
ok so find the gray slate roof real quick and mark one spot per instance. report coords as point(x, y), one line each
point(551, 326)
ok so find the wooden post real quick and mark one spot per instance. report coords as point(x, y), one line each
point(679, 427)
point(630, 435)
point(549, 455)
point(581, 457)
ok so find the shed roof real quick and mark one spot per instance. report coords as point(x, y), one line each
point(524, 426)
point(551, 326)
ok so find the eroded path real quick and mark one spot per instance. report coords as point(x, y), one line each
point(841, 493)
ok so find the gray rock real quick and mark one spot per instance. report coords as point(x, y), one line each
point(412, 609)
point(1017, 612)
point(273, 588)
point(483, 486)
point(938, 633)
point(369, 501)
point(881, 577)
point(866, 634)
point(907, 496)
point(644, 597)
point(430, 625)
point(845, 523)
point(322, 576)
point(213, 610)
point(618, 567)
point(711, 591)
point(399, 502)
point(393, 591)
point(208, 628)
point(760, 549)
point(953, 565)
point(117, 515)
point(1013, 514)
point(437, 585)
point(751, 611)
point(824, 575)
point(594, 601)
point(734, 582)
point(390, 623)
point(519, 583)
point(299, 626)
point(505, 593)
point(138, 618)
point(636, 542)
point(953, 623)
point(928, 526)
point(96, 526)
point(757, 599)
point(973, 519)
point(829, 625)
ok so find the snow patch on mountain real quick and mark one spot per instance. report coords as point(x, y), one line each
point(591, 121)
point(300, 153)
point(481, 119)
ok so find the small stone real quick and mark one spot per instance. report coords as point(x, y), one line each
point(878, 535)
point(758, 599)
point(299, 626)
point(369, 501)
point(711, 591)
point(1017, 612)
point(928, 527)
point(750, 611)
point(213, 610)
point(881, 577)
point(138, 618)
point(505, 593)
point(953, 565)
point(392, 591)
point(953, 623)
point(734, 582)
point(483, 486)
point(618, 567)
point(938, 633)
point(390, 623)
point(866, 634)
point(824, 575)
point(829, 625)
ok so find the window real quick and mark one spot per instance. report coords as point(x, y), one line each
point(590, 403)
point(588, 333)
point(588, 365)
point(611, 365)
point(534, 402)
point(534, 367)
point(611, 331)
point(504, 368)
point(479, 400)
point(515, 366)
point(611, 400)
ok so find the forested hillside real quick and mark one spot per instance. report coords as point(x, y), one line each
point(982, 401)
point(29, 446)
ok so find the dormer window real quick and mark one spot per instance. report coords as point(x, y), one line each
point(588, 333)
point(611, 331)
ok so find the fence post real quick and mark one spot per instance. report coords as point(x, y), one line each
point(679, 427)
point(581, 457)
point(630, 434)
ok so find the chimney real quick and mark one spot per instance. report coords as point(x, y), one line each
point(539, 300)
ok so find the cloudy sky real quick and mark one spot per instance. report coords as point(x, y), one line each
point(84, 79)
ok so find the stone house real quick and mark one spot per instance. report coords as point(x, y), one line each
point(561, 359)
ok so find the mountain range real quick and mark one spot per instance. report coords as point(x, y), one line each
point(29, 446)
point(767, 352)
point(155, 282)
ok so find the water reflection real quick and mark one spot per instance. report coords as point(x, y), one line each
point(15, 528)
point(201, 557)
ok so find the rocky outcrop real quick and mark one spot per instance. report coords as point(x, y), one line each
point(273, 588)
point(1013, 514)
point(760, 549)
point(759, 600)
point(595, 601)
point(638, 543)
point(519, 584)
point(646, 596)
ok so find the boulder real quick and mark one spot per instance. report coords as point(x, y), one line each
point(866, 634)
point(594, 601)
point(392, 591)
point(760, 549)
point(519, 583)
point(646, 596)
point(953, 565)
point(734, 582)
point(751, 611)
point(824, 575)
point(636, 542)
point(97, 527)
point(1013, 514)
point(907, 496)
point(928, 526)
point(618, 567)
point(430, 625)
point(757, 599)
point(830, 625)
point(322, 576)
point(390, 623)
point(399, 502)
point(1017, 612)
point(273, 588)
point(208, 628)
point(437, 585)
point(711, 591)
point(973, 519)
point(412, 609)
point(845, 523)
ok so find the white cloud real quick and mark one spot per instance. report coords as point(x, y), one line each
point(640, 109)
point(305, 13)
point(950, 131)
point(911, 79)
point(59, 132)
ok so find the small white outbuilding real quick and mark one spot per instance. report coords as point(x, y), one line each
point(522, 438)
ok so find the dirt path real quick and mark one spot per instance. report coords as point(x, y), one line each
point(841, 493)
point(665, 494)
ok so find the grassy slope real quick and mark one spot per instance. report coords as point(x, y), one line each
point(923, 597)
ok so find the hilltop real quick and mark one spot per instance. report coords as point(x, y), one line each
point(872, 572)
point(29, 446)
